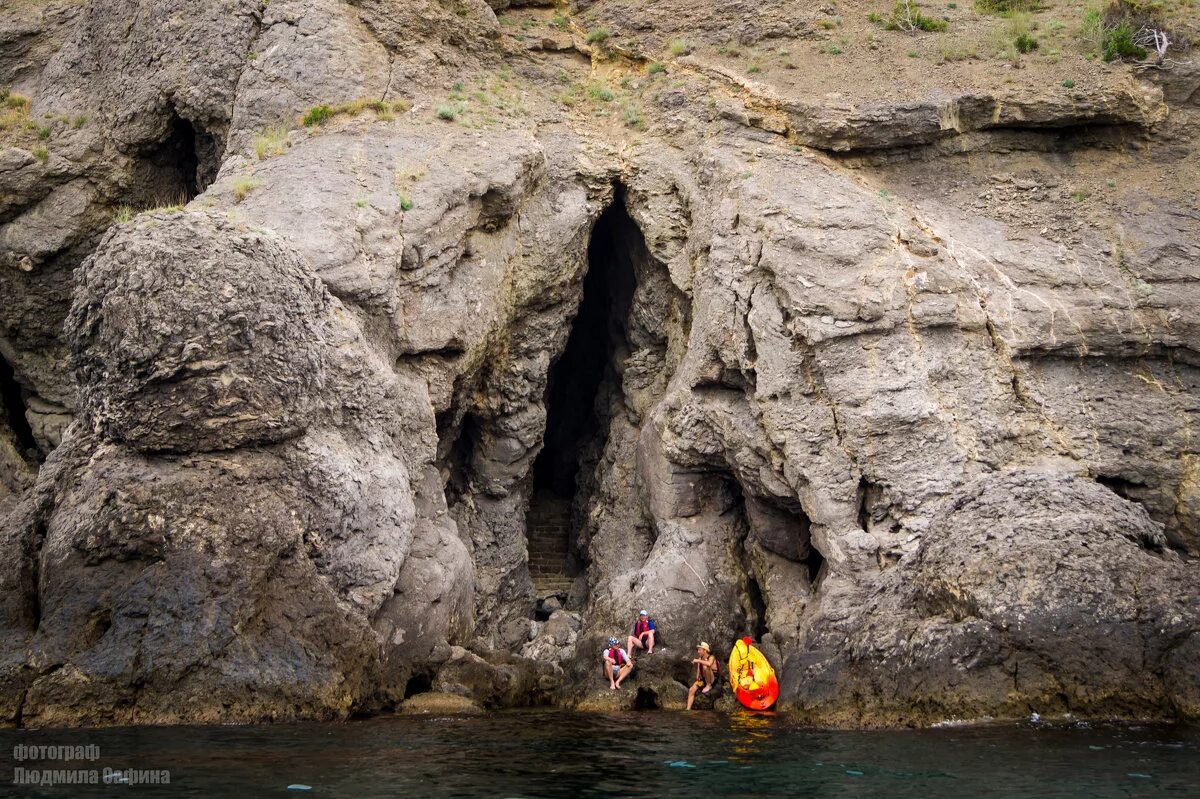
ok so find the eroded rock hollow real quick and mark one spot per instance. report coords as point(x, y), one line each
point(358, 356)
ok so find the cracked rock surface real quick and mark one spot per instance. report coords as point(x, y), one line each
point(354, 352)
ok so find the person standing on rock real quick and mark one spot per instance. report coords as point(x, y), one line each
point(617, 664)
point(643, 634)
point(706, 672)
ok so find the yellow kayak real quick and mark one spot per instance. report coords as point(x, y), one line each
point(751, 676)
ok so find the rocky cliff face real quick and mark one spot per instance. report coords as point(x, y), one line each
point(309, 308)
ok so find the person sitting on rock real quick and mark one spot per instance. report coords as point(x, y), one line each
point(706, 672)
point(643, 634)
point(617, 664)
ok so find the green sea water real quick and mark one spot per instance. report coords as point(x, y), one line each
point(652, 754)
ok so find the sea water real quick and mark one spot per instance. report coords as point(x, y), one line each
point(649, 754)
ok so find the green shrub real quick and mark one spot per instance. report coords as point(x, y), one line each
point(18, 102)
point(929, 24)
point(317, 115)
point(1025, 43)
point(678, 47)
point(405, 204)
point(656, 67)
point(598, 92)
point(559, 21)
point(1118, 42)
point(906, 16)
point(1091, 30)
point(41, 154)
point(633, 118)
point(1110, 30)
point(123, 215)
point(447, 112)
point(1068, 84)
point(320, 114)
point(599, 36)
point(1004, 7)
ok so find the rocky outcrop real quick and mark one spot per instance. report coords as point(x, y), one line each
point(918, 421)
point(1030, 589)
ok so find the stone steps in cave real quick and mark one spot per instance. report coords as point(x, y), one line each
point(547, 585)
point(548, 531)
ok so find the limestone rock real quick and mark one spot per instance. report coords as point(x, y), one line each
point(439, 704)
point(195, 337)
point(307, 308)
point(1032, 592)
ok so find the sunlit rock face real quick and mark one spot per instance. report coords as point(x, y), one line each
point(450, 340)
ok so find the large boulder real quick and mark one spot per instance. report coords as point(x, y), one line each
point(219, 532)
point(1032, 592)
point(195, 335)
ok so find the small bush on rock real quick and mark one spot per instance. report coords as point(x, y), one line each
point(320, 114)
point(317, 115)
point(14, 111)
point(1127, 29)
point(272, 141)
point(1119, 43)
point(243, 186)
point(18, 102)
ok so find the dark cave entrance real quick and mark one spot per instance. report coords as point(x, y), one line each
point(12, 411)
point(183, 164)
point(584, 385)
point(418, 684)
point(646, 699)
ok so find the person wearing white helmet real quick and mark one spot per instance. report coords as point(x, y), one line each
point(643, 634)
point(617, 664)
